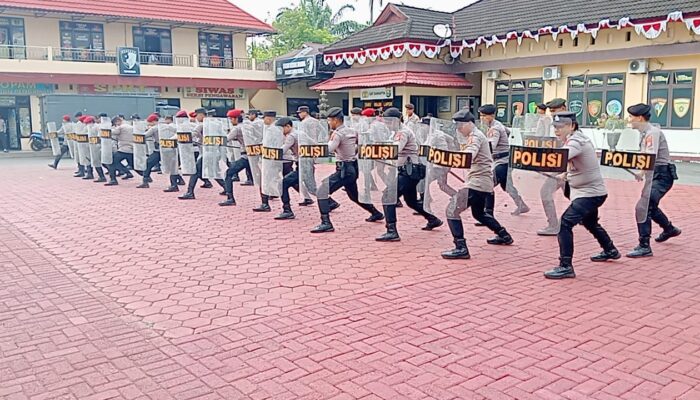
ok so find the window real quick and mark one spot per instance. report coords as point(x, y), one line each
point(220, 106)
point(592, 96)
point(12, 38)
point(671, 98)
point(154, 44)
point(215, 50)
point(82, 41)
point(515, 98)
point(294, 103)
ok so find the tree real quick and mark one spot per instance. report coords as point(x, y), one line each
point(312, 21)
point(371, 9)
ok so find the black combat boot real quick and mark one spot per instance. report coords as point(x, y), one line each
point(332, 204)
point(187, 196)
point(460, 251)
point(89, 175)
point(325, 226)
point(144, 185)
point(286, 213)
point(247, 183)
point(101, 176)
point(391, 235)
point(172, 189)
point(80, 172)
point(503, 238)
point(207, 184)
point(399, 204)
point(112, 183)
point(180, 181)
point(433, 223)
point(605, 255)
point(230, 201)
point(306, 203)
point(668, 233)
point(53, 165)
point(376, 216)
point(643, 250)
point(264, 207)
point(563, 271)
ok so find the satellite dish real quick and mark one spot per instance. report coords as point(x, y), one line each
point(442, 31)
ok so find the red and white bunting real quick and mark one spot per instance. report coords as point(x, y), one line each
point(649, 29)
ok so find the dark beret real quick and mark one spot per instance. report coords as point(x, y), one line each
point(542, 106)
point(103, 115)
point(303, 109)
point(284, 121)
point(639, 110)
point(335, 112)
point(270, 113)
point(487, 109)
point(200, 111)
point(136, 116)
point(410, 106)
point(564, 116)
point(556, 103)
point(392, 112)
point(253, 111)
point(78, 114)
point(356, 111)
point(463, 116)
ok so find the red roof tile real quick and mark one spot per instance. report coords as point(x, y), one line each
point(208, 12)
point(395, 78)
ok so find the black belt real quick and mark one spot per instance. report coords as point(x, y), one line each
point(341, 163)
point(501, 155)
point(662, 168)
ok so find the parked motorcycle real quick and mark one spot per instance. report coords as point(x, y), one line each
point(37, 141)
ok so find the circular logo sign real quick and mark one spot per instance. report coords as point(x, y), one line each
point(576, 106)
point(614, 107)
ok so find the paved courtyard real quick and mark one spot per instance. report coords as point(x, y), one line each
point(125, 293)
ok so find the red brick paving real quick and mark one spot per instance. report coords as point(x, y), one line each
point(126, 293)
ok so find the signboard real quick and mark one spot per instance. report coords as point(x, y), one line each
point(17, 88)
point(129, 61)
point(298, 67)
point(377, 93)
point(124, 90)
point(213, 93)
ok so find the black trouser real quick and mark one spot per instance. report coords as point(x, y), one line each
point(233, 170)
point(291, 180)
point(660, 185)
point(198, 175)
point(5, 141)
point(345, 176)
point(152, 161)
point(583, 210)
point(406, 187)
point(116, 164)
point(500, 177)
point(57, 159)
point(100, 172)
point(476, 200)
point(286, 169)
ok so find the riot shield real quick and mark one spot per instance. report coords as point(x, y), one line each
point(69, 139)
point(214, 149)
point(537, 169)
point(52, 135)
point(313, 149)
point(185, 146)
point(167, 134)
point(95, 145)
point(448, 164)
point(377, 160)
point(629, 161)
point(253, 138)
point(421, 131)
point(272, 160)
point(233, 149)
point(83, 141)
point(106, 141)
point(140, 146)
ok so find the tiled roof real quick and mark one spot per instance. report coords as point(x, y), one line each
point(395, 78)
point(219, 13)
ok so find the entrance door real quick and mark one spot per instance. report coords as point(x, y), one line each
point(9, 115)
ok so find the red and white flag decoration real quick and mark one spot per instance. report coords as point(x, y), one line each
point(650, 29)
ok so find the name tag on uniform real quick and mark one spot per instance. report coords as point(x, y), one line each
point(628, 160)
point(450, 159)
point(539, 159)
point(254, 150)
point(214, 141)
point(82, 138)
point(184, 137)
point(378, 152)
point(139, 139)
point(547, 142)
point(313, 151)
point(168, 143)
point(94, 140)
point(105, 133)
point(272, 153)
point(53, 135)
point(423, 151)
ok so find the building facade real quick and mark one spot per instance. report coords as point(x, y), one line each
point(601, 58)
point(190, 54)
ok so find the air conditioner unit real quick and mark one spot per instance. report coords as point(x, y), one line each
point(493, 75)
point(551, 73)
point(638, 67)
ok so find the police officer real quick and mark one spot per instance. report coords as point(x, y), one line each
point(64, 144)
point(551, 186)
point(123, 134)
point(303, 113)
point(197, 137)
point(411, 116)
point(89, 122)
point(410, 173)
point(235, 134)
point(662, 182)
point(269, 119)
point(342, 142)
point(154, 158)
point(479, 187)
point(588, 193)
point(80, 172)
point(291, 178)
point(498, 136)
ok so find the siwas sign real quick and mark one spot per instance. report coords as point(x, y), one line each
point(214, 93)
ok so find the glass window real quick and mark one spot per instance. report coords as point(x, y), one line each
point(82, 41)
point(671, 98)
point(215, 50)
point(12, 38)
point(155, 45)
point(593, 97)
point(517, 97)
point(220, 106)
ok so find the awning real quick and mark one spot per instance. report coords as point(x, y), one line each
point(395, 79)
point(78, 79)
